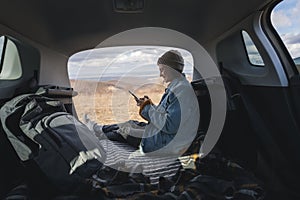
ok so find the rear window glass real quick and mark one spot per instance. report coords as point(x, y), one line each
point(102, 78)
point(10, 64)
point(1, 49)
point(252, 52)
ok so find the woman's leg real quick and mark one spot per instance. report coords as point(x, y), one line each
point(99, 129)
point(129, 131)
point(132, 132)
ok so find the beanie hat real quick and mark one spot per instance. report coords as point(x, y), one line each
point(172, 59)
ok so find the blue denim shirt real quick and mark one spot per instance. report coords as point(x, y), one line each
point(177, 105)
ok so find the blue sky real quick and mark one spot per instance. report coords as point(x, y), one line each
point(286, 20)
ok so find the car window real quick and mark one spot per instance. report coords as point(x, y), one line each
point(252, 52)
point(102, 77)
point(285, 19)
point(1, 50)
point(10, 63)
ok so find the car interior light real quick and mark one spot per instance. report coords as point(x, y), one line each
point(129, 6)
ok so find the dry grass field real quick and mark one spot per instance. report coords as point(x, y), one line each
point(110, 102)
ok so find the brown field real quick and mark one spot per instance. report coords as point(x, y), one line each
point(109, 102)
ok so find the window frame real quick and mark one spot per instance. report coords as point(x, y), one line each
point(283, 53)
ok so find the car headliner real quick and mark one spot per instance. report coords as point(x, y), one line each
point(72, 26)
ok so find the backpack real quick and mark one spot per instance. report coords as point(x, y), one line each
point(41, 131)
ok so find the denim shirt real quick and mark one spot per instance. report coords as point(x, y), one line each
point(177, 106)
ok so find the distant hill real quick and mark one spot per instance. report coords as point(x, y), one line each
point(92, 87)
point(297, 62)
point(109, 102)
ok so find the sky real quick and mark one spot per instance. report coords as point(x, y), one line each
point(110, 63)
point(286, 20)
point(130, 61)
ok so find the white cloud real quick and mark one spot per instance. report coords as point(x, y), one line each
point(139, 61)
point(292, 42)
point(285, 19)
point(280, 19)
point(136, 54)
point(291, 38)
point(294, 50)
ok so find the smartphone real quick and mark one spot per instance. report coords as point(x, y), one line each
point(135, 97)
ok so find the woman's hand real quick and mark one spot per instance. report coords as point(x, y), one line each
point(142, 100)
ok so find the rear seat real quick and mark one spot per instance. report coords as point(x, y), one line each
point(236, 141)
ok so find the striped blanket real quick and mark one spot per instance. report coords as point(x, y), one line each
point(153, 167)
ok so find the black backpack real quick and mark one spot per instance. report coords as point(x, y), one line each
point(40, 130)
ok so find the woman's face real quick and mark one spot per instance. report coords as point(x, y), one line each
point(167, 73)
point(164, 72)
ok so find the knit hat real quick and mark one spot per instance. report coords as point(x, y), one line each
point(172, 59)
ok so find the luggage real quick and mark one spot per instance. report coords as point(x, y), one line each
point(41, 131)
point(215, 178)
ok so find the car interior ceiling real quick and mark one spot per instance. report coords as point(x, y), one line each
point(87, 24)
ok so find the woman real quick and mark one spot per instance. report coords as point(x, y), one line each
point(172, 124)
